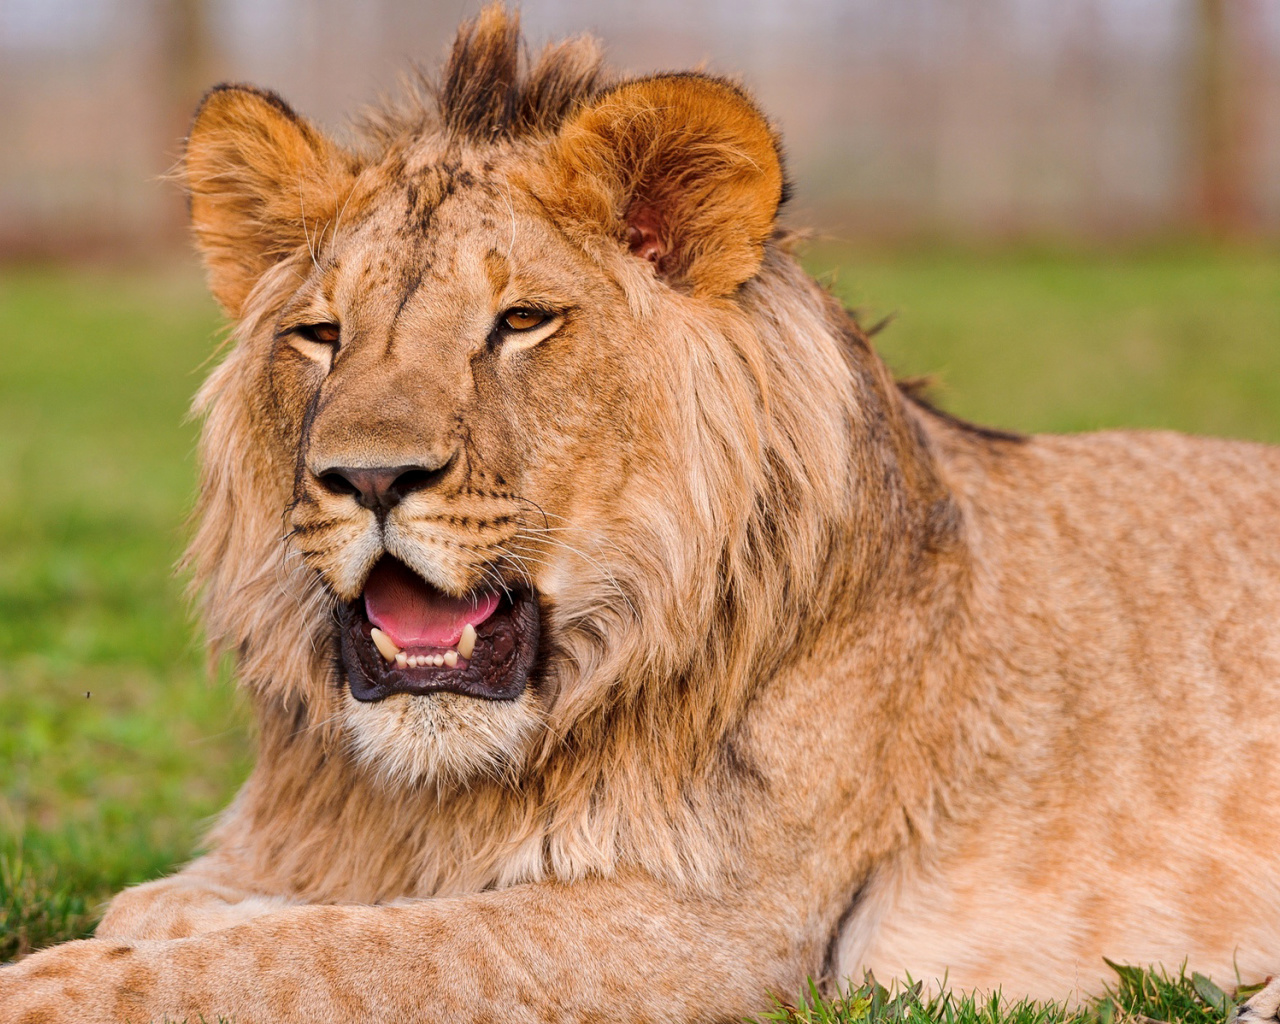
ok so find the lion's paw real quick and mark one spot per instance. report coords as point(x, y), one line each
point(1262, 1008)
point(75, 983)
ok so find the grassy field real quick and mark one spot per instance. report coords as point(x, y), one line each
point(115, 749)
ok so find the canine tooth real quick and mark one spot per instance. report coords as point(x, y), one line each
point(451, 658)
point(386, 646)
point(468, 642)
point(402, 659)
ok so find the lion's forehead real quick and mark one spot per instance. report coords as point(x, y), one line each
point(448, 234)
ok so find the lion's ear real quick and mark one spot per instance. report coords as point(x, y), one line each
point(682, 169)
point(262, 183)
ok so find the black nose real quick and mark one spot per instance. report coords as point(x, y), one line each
point(380, 488)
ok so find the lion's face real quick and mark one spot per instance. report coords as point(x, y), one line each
point(474, 409)
point(478, 374)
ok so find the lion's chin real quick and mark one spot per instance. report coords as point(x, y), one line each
point(441, 739)
point(454, 702)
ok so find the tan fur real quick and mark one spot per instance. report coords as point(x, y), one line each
point(831, 681)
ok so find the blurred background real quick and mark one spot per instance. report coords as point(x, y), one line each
point(1070, 207)
point(972, 119)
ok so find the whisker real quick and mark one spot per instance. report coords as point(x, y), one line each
point(302, 205)
point(511, 210)
point(337, 224)
point(495, 577)
point(520, 565)
point(600, 567)
point(289, 569)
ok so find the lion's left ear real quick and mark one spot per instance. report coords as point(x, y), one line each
point(682, 169)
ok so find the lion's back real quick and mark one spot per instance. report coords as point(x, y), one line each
point(1154, 517)
point(1142, 556)
point(1126, 603)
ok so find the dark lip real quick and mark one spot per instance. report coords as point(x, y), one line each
point(499, 667)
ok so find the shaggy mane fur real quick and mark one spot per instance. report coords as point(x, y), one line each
point(491, 88)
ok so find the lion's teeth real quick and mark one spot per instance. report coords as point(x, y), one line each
point(468, 642)
point(406, 660)
point(386, 647)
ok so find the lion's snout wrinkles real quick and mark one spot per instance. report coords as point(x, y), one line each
point(762, 668)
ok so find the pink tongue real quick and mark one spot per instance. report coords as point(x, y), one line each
point(415, 614)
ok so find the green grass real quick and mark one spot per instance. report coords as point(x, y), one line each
point(115, 750)
point(1137, 997)
point(1187, 339)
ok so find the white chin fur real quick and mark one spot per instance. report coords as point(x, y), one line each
point(439, 738)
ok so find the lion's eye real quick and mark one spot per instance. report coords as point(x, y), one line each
point(523, 319)
point(321, 334)
point(522, 327)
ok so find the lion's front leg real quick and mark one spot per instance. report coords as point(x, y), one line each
point(590, 950)
point(189, 903)
point(78, 982)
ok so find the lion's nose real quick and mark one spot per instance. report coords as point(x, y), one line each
point(379, 488)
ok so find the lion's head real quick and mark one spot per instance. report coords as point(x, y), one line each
point(529, 415)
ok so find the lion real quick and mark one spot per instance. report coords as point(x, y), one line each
point(626, 644)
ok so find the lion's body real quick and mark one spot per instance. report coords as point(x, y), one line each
point(1120, 619)
point(822, 680)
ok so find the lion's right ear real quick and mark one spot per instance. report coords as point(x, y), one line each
point(262, 182)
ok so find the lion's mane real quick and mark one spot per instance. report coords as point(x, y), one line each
point(658, 658)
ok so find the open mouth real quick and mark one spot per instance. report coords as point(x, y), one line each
point(402, 635)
